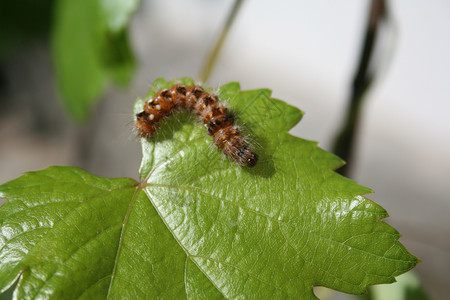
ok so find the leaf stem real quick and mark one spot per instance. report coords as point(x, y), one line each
point(212, 59)
point(363, 78)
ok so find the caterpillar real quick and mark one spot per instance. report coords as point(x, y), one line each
point(214, 115)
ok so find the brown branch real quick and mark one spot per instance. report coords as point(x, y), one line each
point(344, 143)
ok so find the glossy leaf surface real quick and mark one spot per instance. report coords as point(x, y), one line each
point(198, 225)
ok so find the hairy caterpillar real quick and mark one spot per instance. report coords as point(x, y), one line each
point(213, 114)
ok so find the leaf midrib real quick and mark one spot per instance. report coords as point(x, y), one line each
point(119, 247)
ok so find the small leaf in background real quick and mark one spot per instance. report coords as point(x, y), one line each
point(90, 46)
point(117, 13)
point(198, 225)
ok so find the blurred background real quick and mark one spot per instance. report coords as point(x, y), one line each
point(306, 52)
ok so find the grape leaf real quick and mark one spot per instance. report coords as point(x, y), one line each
point(90, 45)
point(197, 225)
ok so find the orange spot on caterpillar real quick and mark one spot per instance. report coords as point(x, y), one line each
point(214, 115)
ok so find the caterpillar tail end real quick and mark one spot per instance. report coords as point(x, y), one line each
point(252, 160)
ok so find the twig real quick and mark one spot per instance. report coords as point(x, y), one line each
point(344, 143)
point(212, 59)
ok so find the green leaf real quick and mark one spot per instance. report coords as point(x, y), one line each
point(60, 231)
point(198, 225)
point(407, 287)
point(117, 13)
point(90, 45)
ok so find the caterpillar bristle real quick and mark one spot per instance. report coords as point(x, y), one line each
point(213, 114)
